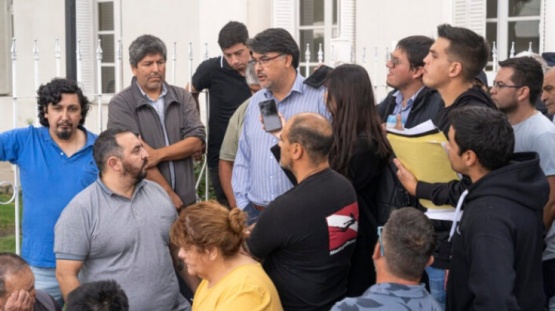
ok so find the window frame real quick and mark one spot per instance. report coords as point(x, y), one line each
point(328, 27)
point(502, 21)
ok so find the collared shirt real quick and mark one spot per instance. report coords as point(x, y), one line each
point(391, 297)
point(158, 105)
point(404, 111)
point(257, 176)
point(49, 179)
point(125, 239)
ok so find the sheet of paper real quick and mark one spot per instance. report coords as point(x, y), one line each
point(424, 127)
point(442, 214)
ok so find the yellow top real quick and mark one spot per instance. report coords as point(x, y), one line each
point(247, 287)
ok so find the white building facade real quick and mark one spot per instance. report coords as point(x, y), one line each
point(346, 31)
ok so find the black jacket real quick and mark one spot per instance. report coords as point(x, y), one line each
point(497, 248)
point(449, 193)
point(426, 105)
point(441, 193)
point(474, 96)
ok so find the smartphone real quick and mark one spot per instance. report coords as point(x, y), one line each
point(270, 117)
point(318, 77)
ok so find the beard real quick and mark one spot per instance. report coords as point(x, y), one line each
point(137, 173)
point(509, 108)
point(64, 134)
point(285, 165)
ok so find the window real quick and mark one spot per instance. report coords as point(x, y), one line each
point(317, 23)
point(106, 34)
point(509, 21)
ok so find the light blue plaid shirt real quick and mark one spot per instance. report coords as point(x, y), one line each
point(257, 176)
point(404, 111)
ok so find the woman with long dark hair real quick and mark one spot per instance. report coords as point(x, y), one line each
point(359, 152)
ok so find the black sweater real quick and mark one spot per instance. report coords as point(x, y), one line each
point(497, 247)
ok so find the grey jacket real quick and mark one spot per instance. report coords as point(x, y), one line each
point(130, 110)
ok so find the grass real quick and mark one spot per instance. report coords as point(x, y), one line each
point(7, 224)
point(201, 190)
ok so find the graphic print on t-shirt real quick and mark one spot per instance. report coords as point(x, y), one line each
point(343, 227)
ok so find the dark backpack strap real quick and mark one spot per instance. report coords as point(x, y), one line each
point(47, 301)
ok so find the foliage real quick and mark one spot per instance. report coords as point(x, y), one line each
point(201, 188)
point(7, 224)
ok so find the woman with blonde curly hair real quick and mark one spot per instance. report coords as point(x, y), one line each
point(210, 238)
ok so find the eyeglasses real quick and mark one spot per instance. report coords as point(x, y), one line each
point(500, 85)
point(380, 229)
point(263, 61)
point(393, 61)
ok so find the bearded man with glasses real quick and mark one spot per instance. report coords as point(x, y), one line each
point(516, 88)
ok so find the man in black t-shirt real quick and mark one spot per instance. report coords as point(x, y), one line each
point(307, 235)
point(224, 77)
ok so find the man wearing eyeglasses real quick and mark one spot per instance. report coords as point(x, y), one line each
point(548, 93)
point(516, 88)
point(415, 102)
point(257, 178)
point(224, 77)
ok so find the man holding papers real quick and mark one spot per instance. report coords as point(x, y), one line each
point(497, 245)
point(455, 59)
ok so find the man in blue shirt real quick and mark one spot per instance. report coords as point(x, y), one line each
point(257, 177)
point(55, 163)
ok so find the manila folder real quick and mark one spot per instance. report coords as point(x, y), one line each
point(425, 157)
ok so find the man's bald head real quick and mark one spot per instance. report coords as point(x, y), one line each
point(313, 132)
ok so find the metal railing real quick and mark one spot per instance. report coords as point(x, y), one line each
point(378, 65)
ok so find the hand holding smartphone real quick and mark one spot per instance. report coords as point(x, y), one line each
point(270, 117)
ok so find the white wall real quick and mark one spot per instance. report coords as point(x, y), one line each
point(259, 16)
point(5, 43)
point(31, 22)
point(383, 23)
point(171, 21)
point(198, 22)
point(549, 44)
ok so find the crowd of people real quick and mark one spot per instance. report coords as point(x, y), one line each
point(112, 222)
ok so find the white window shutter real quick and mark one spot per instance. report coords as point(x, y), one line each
point(283, 15)
point(5, 46)
point(470, 14)
point(85, 28)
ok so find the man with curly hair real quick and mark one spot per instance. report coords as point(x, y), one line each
point(56, 163)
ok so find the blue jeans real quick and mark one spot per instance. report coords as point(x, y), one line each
point(437, 285)
point(45, 280)
point(252, 214)
point(551, 304)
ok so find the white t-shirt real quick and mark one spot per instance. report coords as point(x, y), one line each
point(537, 133)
